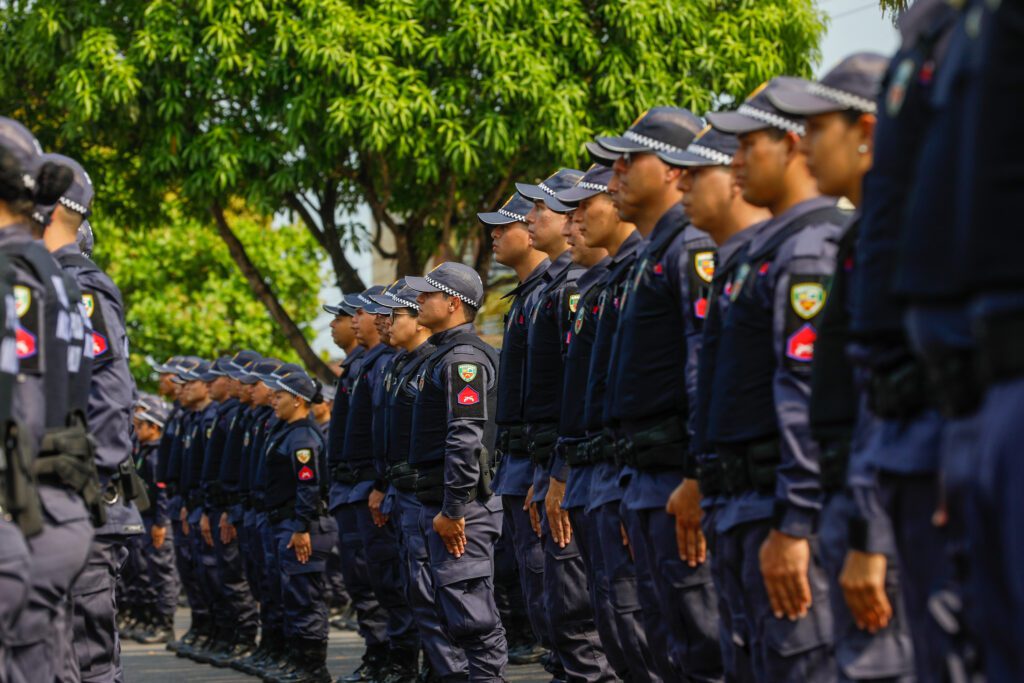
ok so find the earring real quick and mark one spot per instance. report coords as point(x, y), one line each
point(863, 149)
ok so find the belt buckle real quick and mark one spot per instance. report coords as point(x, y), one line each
point(111, 494)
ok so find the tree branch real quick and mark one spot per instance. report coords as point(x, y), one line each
point(267, 297)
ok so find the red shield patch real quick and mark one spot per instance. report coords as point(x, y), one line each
point(99, 344)
point(468, 397)
point(305, 474)
point(700, 307)
point(800, 345)
point(25, 343)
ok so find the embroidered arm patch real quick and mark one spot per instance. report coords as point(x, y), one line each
point(304, 466)
point(467, 391)
point(807, 296)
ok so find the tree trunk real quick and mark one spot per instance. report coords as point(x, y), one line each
point(267, 297)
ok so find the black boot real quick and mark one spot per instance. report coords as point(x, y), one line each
point(220, 644)
point(244, 645)
point(375, 660)
point(289, 663)
point(313, 658)
point(160, 629)
point(249, 663)
point(403, 666)
point(199, 630)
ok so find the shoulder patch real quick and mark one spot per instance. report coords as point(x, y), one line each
point(22, 300)
point(574, 302)
point(467, 391)
point(89, 301)
point(306, 474)
point(704, 265)
point(737, 283)
point(800, 344)
point(807, 298)
point(304, 455)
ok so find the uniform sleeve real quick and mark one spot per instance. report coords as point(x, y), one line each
point(693, 324)
point(112, 391)
point(799, 297)
point(304, 452)
point(468, 375)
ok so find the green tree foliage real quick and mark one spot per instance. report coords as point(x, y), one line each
point(424, 110)
point(184, 295)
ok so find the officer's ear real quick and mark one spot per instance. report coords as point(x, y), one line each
point(865, 126)
point(794, 145)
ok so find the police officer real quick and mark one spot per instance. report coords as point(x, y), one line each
point(651, 392)
point(444, 660)
point(111, 396)
point(870, 642)
point(237, 609)
point(571, 627)
point(40, 645)
point(714, 203)
point(602, 228)
point(995, 570)
point(452, 441)
point(931, 280)
point(160, 599)
point(513, 248)
point(758, 407)
point(304, 532)
point(379, 534)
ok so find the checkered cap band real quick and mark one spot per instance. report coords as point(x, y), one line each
point(513, 216)
point(405, 303)
point(74, 206)
point(451, 292)
point(771, 119)
point(710, 154)
point(842, 97)
point(657, 145)
point(597, 187)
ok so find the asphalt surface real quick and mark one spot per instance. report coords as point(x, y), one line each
point(154, 664)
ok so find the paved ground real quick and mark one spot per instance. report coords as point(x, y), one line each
point(154, 664)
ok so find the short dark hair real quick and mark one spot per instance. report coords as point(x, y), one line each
point(470, 310)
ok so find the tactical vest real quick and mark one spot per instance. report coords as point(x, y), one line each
point(742, 404)
point(512, 370)
point(392, 365)
point(358, 450)
point(281, 476)
point(833, 409)
point(649, 366)
point(44, 331)
point(608, 307)
point(339, 412)
point(580, 338)
point(430, 411)
point(547, 347)
point(401, 398)
point(18, 496)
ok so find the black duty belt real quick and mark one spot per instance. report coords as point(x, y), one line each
point(834, 461)
point(223, 499)
point(541, 444)
point(956, 382)
point(403, 477)
point(344, 474)
point(749, 466)
point(660, 447)
point(1000, 355)
point(287, 511)
point(511, 442)
point(710, 476)
point(577, 453)
point(899, 392)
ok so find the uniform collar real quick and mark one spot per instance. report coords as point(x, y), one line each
point(530, 280)
point(558, 266)
point(70, 248)
point(667, 226)
point(771, 227)
point(593, 275)
point(16, 234)
point(629, 247)
point(735, 244)
point(442, 337)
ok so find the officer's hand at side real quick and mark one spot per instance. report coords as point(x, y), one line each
point(159, 535)
point(528, 506)
point(452, 532)
point(184, 521)
point(375, 501)
point(625, 540)
point(558, 519)
point(205, 530)
point(228, 532)
point(684, 505)
point(302, 544)
point(785, 561)
point(863, 583)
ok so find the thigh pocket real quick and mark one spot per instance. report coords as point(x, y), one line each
point(468, 607)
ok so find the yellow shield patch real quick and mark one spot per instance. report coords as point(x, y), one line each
point(704, 264)
point(90, 304)
point(807, 298)
point(22, 300)
point(304, 455)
